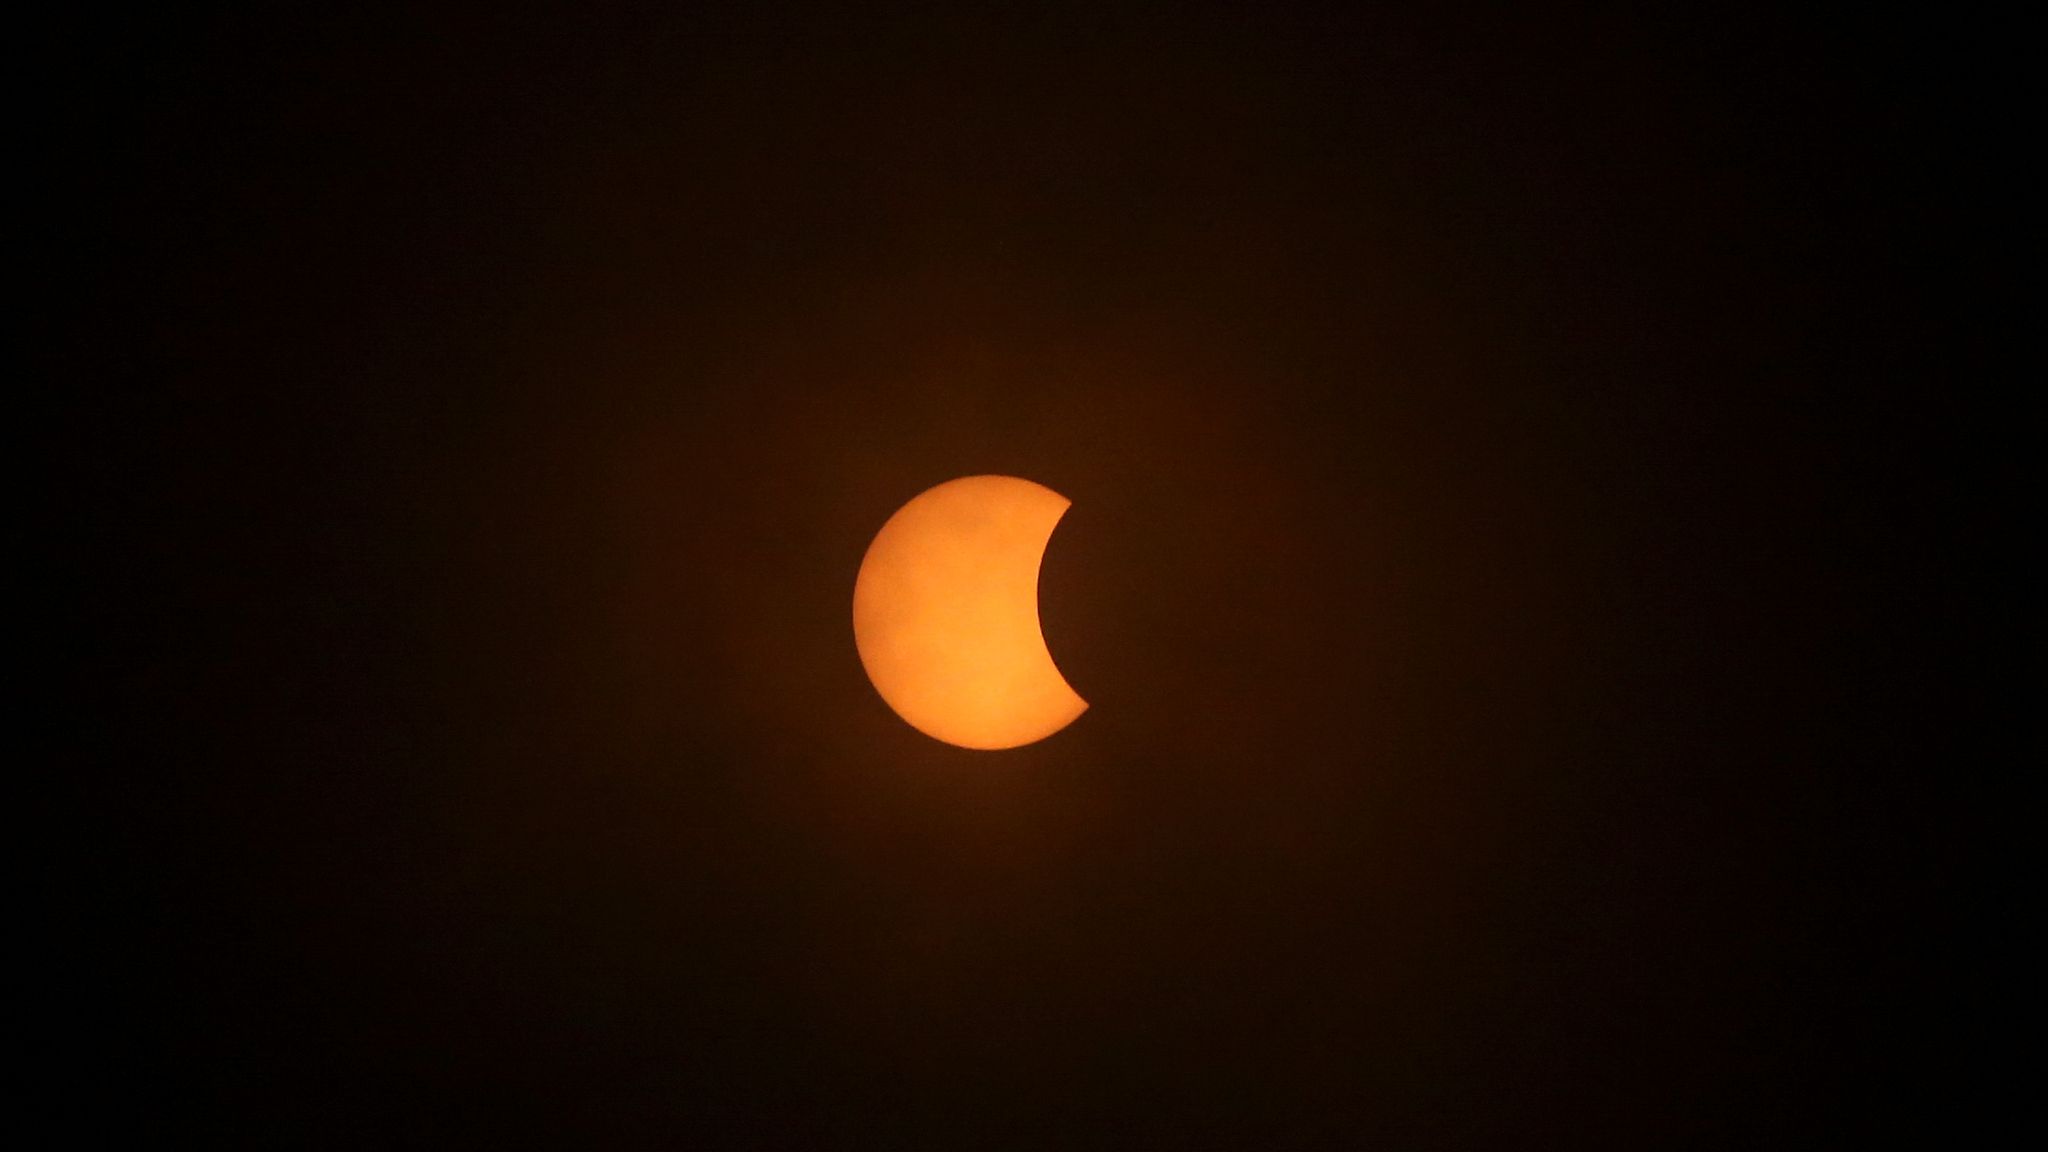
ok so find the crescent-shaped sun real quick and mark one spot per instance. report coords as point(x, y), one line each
point(945, 614)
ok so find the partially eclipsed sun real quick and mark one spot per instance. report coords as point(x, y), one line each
point(945, 614)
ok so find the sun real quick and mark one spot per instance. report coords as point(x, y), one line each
point(945, 614)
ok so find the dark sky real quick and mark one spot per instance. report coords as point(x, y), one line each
point(1525, 564)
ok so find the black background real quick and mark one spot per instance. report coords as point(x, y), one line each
point(1526, 563)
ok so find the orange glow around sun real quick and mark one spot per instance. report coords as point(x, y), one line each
point(945, 614)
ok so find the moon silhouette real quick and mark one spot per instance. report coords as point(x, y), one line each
point(945, 614)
